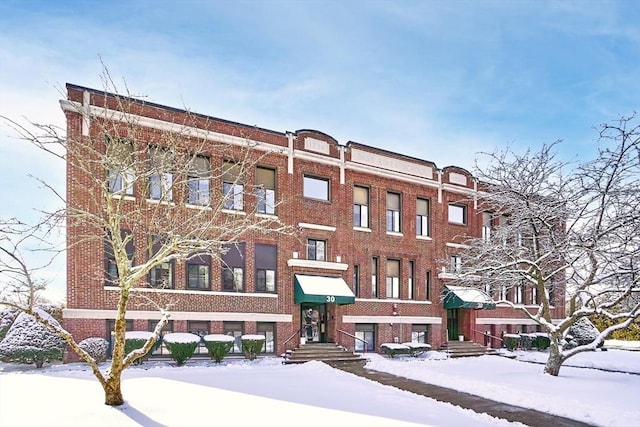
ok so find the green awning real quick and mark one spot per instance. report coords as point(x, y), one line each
point(466, 297)
point(322, 289)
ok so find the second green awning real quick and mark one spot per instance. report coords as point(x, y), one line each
point(322, 290)
point(466, 297)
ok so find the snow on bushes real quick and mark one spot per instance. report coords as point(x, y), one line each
point(182, 345)
point(28, 341)
point(218, 345)
point(252, 345)
point(583, 332)
point(7, 316)
point(133, 340)
point(95, 347)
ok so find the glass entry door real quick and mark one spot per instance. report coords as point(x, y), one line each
point(313, 319)
point(452, 324)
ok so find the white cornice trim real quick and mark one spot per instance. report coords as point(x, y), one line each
point(357, 167)
point(79, 313)
point(457, 245)
point(323, 265)
point(393, 319)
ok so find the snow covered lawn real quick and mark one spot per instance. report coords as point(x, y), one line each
point(264, 392)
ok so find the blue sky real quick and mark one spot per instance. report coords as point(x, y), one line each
point(437, 80)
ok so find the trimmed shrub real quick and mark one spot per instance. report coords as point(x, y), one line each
point(393, 349)
point(29, 341)
point(511, 341)
point(526, 341)
point(182, 345)
point(7, 316)
point(630, 333)
point(542, 341)
point(252, 345)
point(133, 340)
point(95, 347)
point(582, 332)
point(416, 349)
point(218, 345)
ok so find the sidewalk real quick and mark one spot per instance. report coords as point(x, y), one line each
point(478, 404)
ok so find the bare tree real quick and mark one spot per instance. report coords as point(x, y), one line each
point(177, 217)
point(554, 229)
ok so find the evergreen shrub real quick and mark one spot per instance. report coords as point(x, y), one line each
point(511, 341)
point(252, 345)
point(218, 345)
point(182, 345)
point(95, 347)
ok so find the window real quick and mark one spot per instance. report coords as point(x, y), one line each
point(503, 293)
point(316, 250)
point(487, 225)
point(456, 263)
point(393, 278)
point(457, 214)
point(233, 267)
point(199, 272)
point(315, 188)
point(161, 178)
point(110, 266)
point(236, 330)
point(201, 329)
point(422, 218)
point(393, 212)
point(266, 190)
point(120, 167)
point(411, 288)
point(266, 265)
point(356, 280)
point(198, 177)
point(534, 295)
point(269, 332)
point(517, 295)
point(420, 334)
point(111, 327)
point(232, 186)
point(160, 275)
point(360, 207)
point(374, 277)
point(427, 285)
point(366, 337)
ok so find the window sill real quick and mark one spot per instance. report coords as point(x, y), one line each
point(233, 212)
point(363, 229)
point(424, 238)
point(394, 233)
point(266, 215)
point(201, 207)
point(123, 196)
point(161, 202)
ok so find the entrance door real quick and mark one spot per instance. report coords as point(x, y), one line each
point(313, 322)
point(452, 324)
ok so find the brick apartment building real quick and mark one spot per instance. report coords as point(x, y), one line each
point(366, 265)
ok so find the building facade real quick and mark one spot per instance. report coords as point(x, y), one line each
point(365, 268)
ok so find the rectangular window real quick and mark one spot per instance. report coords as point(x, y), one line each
point(266, 266)
point(422, 218)
point(427, 285)
point(457, 214)
point(374, 277)
point(411, 283)
point(487, 225)
point(201, 329)
point(161, 177)
point(199, 272)
point(198, 176)
point(365, 337)
point(503, 293)
point(534, 295)
point(269, 332)
point(233, 267)
point(120, 163)
point(517, 295)
point(236, 330)
point(315, 188)
point(160, 275)
point(232, 186)
point(316, 250)
point(393, 278)
point(420, 334)
point(393, 212)
point(356, 280)
point(110, 266)
point(360, 207)
point(456, 263)
point(266, 190)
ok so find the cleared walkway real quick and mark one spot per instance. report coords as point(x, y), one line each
point(478, 404)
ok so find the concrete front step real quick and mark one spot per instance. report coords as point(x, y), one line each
point(466, 349)
point(329, 353)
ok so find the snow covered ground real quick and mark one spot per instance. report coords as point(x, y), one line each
point(266, 393)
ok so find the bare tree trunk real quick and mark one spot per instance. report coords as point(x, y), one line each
point(113, 391)
point(555, 360)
